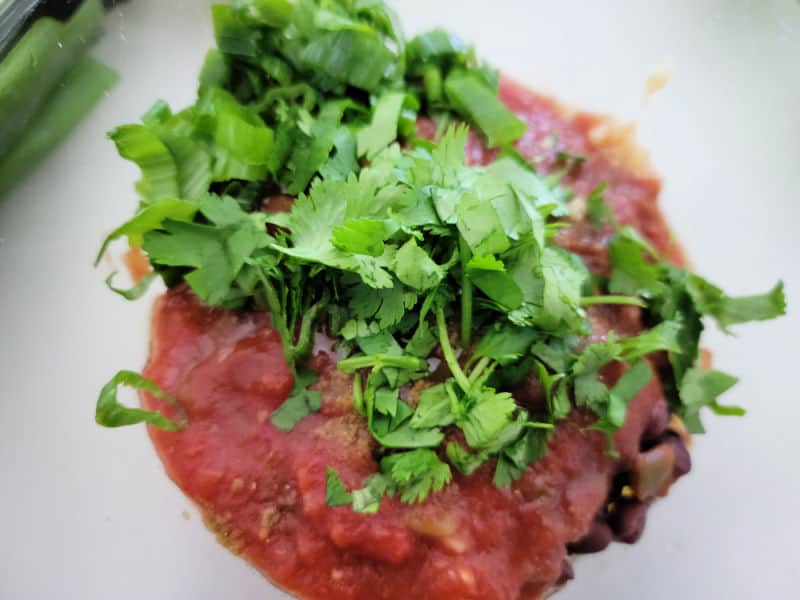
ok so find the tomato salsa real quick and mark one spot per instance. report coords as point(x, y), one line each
point(262, 489)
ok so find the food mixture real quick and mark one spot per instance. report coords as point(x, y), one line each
point(426, 332)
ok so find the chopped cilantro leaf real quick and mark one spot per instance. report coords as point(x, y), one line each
point(490, 415)
point(700, 388)
point(416, 473)
point(360, 236)
point(415, 268)
point(434, 409)
point(300, 403)
point(597, 209)
point(634, 272)
point(148, 219)
point(625, 390)
point(481, 227)
point(336, 493)
point(515, 458)
point(465, 462)
point(367, 500)
point(506, 343)
point(406, 436)
point(727, 311)
point(489, 275)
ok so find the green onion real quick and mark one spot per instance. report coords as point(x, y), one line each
point(37, 64)
point(480, 104)
point(79, 92)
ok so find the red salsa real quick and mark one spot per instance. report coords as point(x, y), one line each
point(262, 490)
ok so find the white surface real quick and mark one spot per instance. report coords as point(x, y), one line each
point(87, 513)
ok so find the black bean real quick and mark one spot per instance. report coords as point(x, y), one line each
point(628, 521)
point(596, 539)
point(567, 573)
point(530, 394)
point(683, 460)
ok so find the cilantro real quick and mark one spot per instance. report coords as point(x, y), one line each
point(598, 210)
point(634, 272)
point(415, 268)
point(336, 493)
point(391, 238)
point(214, 255)
point(422, 343)
point(412, 475)
point(416, 473)
point(515, 458)
point(360, 236)
point(312, 222)
point(148, 219)
point(490, 415)
point(664, 336)
point(555, 353)
point(367, 500)
point(490, 276)
point(480, 226)
point(434, 409)
point(300, 403)
point(727, 311)
point(412, 363)
point(701, 388)
point(406, 436)
point(465, 462)
point(630, 384)
point(620, 300)
point(563, 282)
point(505, 343)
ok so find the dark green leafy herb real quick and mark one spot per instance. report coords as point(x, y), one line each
point(336, 493)
point(701, 388)
point(300, 403)
point(391, 239)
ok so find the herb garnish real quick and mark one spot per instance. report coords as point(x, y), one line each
point(392, 240)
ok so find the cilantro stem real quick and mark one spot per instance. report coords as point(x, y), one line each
point(449, 354)
point(278, 320)
point(539, 425)
point(627, 300)
point(478, 381)
point(455, 405)
point(432, 80)
point(369, 395)
point(381, 361)
point(358, 395)
point(479, 368)
point(305, 338)
point(466, 293)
